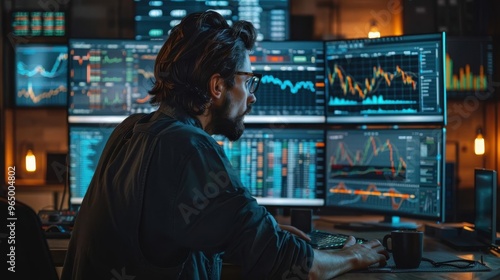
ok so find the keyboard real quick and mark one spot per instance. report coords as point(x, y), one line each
point(327, 240)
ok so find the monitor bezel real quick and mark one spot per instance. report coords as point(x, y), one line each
point(40, 38)
point(387, 213)
point(437, 118)
point(287, 119)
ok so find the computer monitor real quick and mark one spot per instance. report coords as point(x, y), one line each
point(86, 143)
point(41, 77)
point(155, 19)
point(393, 172)
point(469, 66)
point(281, 167)
point(292, 88)
point(485, 190)
point(110, 79)
point(398, 79)
point(38, 23)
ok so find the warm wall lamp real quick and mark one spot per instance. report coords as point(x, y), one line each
point(374, 32)
point(30, 160)
point(479, 143)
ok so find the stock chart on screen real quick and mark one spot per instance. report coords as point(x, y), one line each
point(375, 80)
point(86, 143)
point(38, 23)
point(41, 75)
point(280, 166)
point(110, 78)
point(469, 65)
point(391, 171)
point(155, 19)
point(292, 85)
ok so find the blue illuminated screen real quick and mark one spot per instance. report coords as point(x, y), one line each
point(469, 65)
point(41, 77)
point(280, 166)
point(110, 77)
point(155, 19)
point(389, 171)
point(86, 143)
point(38, 23)
point(376, 80)
point(292, 89)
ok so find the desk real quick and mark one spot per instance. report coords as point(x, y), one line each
point(431, 245)
point(58, 248)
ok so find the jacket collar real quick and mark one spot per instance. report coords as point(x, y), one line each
point(180, 115)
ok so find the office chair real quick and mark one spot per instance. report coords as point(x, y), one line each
point(25, 241)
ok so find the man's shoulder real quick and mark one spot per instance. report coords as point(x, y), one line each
point(186, 134)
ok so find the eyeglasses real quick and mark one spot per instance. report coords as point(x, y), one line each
point(252, 83)
point(460, 263)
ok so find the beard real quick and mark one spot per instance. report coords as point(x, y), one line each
point(222, 124)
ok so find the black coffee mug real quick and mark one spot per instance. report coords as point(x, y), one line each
point(406, 247)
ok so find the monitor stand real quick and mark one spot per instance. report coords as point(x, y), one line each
point(388, 223)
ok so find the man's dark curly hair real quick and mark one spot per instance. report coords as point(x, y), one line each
point(201, 45)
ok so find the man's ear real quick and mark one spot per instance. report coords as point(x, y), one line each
point(217, 86)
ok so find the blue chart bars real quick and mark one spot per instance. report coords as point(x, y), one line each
point(86, 143)
point(280, 166)
point(154, 19)
point(41, 75)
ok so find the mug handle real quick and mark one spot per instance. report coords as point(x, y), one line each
point(384, 243)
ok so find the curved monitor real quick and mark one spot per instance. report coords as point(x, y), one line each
point(386, 80)
point(394, 172)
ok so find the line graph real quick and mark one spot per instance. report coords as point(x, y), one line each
point(373, 159)
point(58, 68)
point(41, 75)
point(290, 93)
point(372, 197)
point(386, 84)
point(112, 100)
point(40, 98)
point(288, 85)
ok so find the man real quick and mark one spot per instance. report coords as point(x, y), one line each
point(165, 203)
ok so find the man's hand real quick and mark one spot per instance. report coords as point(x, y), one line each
point(295, 231)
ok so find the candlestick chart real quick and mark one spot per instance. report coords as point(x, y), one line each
point(111, 77)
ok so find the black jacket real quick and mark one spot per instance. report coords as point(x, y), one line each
point(165, 203)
